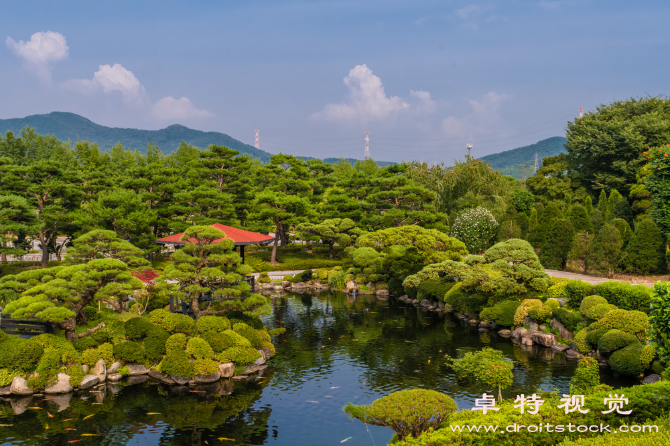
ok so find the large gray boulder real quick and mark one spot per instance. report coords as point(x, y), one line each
point(62, 386)
point(518, 332)
point(562, 331)
point(20, 386)
point(206, 379)
point(89, 381)
point(179, 380)
point(227, 370)
point(100, 370)
point(546, 339)
point(114, 377)
point(136, 369)
point(573, 354)
point(162, 377)
point(116, 365)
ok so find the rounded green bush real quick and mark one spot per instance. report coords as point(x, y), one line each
point(205, 366)
point(176, 342)
point(594, 336)
point(179, 323)
point(264, 277)
point(238, 316)
point(85, 343)
point(198, 348)
point(138, 328)
point(27, 355)
point(614, 340)
point(551, 305)
point(626, 361)
point(599, 311)
point(213, 324)
point(237, 339)
point(102, 335)
point(633, 322)
point(591, 301)
point(129, 351)
point(238, 355)
point(524, 308)
point(648, 355)
point(251, 334)
point(158, 316)
point(288, 278)
point(407, 412)
point(580, 342)
point(154, 344)
point(90, 312)
point(177, 363)
point(218, 341)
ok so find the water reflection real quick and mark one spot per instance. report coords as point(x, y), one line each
point(336, 349)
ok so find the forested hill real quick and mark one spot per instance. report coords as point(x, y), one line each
point(70, 126)
point(511, 162)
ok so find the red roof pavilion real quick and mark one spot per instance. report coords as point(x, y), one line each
point(240, 237)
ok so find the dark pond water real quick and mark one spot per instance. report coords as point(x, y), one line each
point(337, 349)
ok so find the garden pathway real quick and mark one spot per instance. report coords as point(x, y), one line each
point(584, 278)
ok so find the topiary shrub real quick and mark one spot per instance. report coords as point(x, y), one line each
point(205, 366)
point(524, 308)
point(647, 356)
point(626, 361)
point(102, 335)
point(264, 277)
point(176, 362)
point(198, 348)
point(176, 342)
point(252, 321)
point(614, 340)
point(85, 343)
point(407, 412)
point(626, 296)
point(218, 341)
point(251, 334)
point(154, 344)
point(554, 253)
point(540, 316)
point(594, 336)
point(633, 322)
point(551, 305)
point(556, 291)
point(20, 354)
point(212, 324)
point(501, 313)
point(381, 286)
point(586, 378)
point(576, 291)
point(581, 344)
point(179, 323)
point(238, 355)
point(591, 301)
point(129, 351)
point(158, 316)
point(599, 311)
point(570, 319)
point(237, 339)
point(288, 278)
point(138, 328)
point(645, 253)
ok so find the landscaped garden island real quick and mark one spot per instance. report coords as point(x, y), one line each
point(418, 297)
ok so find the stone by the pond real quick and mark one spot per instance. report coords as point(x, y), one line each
point(482, 329)
point(85, 368)
point(651, 378)
point(518, 332)
point(227, 370)
point(560, 347)
point(89, 381)
point(114, 377)
point(136, 369)
point(527, 339)
point(179, 380)
point(20, 405)
point(505, 333)
point(116, 365)
point(285, 283)
point(137, 379)
point(562, 331)
point(573, 354)
point(62, 401)
point(545, 339)
point(381, 293)
point(162, 377)
point(62, 386)
point(472, 322)
point(206, 379)
point(100, 370)
point(6, 390)
point(248, 370)
point(261, 360)
point(20, 386)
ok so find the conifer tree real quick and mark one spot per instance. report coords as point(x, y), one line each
point(606, 251)
point(580, 252)
point(645, 253)
point(602, 202)
point(532, 225)
point(579, 218)
point(556, 248)
point(546, 217)
point(613, 199)
point(588, 205)
point(623, 210)
point(624, 229)
point(16, 217)
point(597, 220)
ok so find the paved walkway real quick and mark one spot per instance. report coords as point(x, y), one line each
point(584, 278)
point(279, 275)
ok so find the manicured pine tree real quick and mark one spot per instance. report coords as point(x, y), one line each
point(554, 254)
point(546, 217)
point(645, 253)
point(579, 218)
point(624, 228)
point(623, 210)
point(588, 205)
point(532, 225)
point(597, 220)
point(16, 217)
point(607, 250)
point(602, 202)
point(614, 198)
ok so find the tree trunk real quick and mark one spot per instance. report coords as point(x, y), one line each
point(45, 249)
point(70, 336)
point(273, 257)
point(499, 394)
point(3, 257)
point(331, 250)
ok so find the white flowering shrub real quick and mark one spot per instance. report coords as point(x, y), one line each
point(477, 228)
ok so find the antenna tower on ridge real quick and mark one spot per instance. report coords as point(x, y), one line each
point(469, 147)
point(535, 161)
point(256, 142)
point(367, 145)
point(581, 112)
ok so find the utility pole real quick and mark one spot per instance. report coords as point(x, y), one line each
point(535, 162)
point(367, 145)
point(256, 142)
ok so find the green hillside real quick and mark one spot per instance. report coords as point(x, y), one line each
point(517, 161)
point(70, 126)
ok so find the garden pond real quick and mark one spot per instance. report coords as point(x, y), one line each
point(337, 349)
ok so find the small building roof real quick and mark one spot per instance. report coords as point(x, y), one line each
point(240, 237)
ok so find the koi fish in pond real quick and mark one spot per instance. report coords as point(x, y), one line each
point(88, 416)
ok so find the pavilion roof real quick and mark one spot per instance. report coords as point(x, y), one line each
point(240, 237)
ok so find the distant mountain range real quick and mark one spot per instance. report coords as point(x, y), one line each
point(518, 162)
point(73, 127)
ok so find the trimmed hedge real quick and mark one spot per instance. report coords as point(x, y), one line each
point(213, 324)
point(569, 318)
point(626, 296)
point(633, 322)
point(614, 340)
point(591, 301)
point(501, 313)
point(576, 291)
point(627, 361)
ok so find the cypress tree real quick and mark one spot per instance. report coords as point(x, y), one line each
point(602, 202)
point(645, 253)
point(546, 217)
point(624, 229)
point(582, 245)
point(597, 220)
point(532, 225)
point(588, 205)
point(606, 250)
point(623, 210)
point(579, 218)
point(614, 198)
point(554, 254)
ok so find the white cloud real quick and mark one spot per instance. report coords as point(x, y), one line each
point(555, 4)
point(40, 51)
point(427, 104)
point(110, 78)
point(484, 116)
point(465, 12)
point(183, 108)
point(367, 100)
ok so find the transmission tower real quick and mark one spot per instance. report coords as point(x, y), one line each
point(535, 162)
point(367, 145)
point(469, 147)
point(581, 112)
point(256, 142)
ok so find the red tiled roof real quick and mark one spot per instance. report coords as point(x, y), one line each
point(238, 236)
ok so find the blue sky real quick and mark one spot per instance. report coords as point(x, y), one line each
point(424, 77)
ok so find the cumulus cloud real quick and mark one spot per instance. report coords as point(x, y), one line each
point(43, 49)
point(427, 104)
point(366, 100)
point(182, 108)
point(485, 114)
point(111, 78)
point(467, 11)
